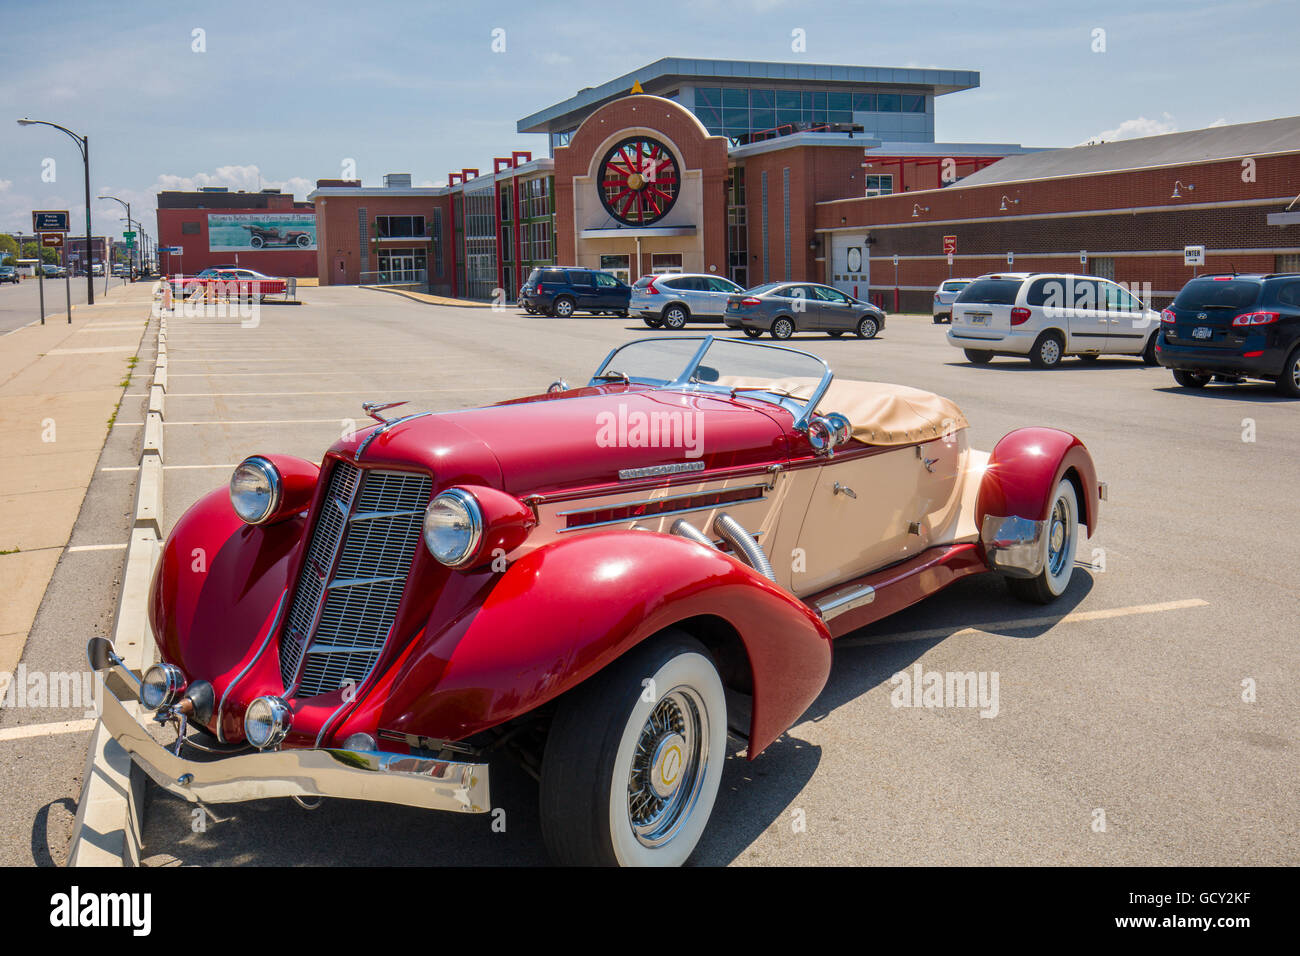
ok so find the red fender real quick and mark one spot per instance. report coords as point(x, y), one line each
point(500, 645)
point(1024, 469)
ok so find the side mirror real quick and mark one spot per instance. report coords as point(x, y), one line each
point(559, 385)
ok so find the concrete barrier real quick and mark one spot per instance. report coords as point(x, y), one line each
point(109, 818)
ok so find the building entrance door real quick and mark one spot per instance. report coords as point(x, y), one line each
point(340, 272)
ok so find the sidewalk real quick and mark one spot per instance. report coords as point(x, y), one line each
point(430, 299)
point(60, 384)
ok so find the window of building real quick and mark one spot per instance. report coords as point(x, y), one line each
point(1103, 267)
point(662, 263)
point(480, 243)
point(864, 102)
point(436, 233)
point(1286, 263)
point(913, 103)
point(888, 103)
point(617, 266)
point(189, 229)
point(881, 185)
point(399, 227)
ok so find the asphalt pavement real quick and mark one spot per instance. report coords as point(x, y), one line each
point(1147, 718)
point(21, 304)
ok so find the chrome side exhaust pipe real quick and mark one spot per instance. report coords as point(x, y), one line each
point(742, 542)
point(684, 529)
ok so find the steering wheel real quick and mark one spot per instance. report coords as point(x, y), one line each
point(613, 376)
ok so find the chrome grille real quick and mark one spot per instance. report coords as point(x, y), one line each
point(353, 578)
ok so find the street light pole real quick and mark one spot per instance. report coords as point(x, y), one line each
point(83, 143)
point(131, 258)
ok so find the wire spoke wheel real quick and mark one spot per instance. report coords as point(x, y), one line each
point(668, 767)
point(639, 181)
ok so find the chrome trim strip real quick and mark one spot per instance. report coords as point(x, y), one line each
point(650, 501)
point(275, 626)
point(373, 515)
point(381, 776)
point(676, 468)
point(658, 514)
point(845, 599)
point(353, 582)
point(381, 429)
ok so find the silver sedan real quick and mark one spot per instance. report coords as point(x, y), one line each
point(784, 308)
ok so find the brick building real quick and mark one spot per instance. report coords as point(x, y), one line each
point(267, 231)
point(1122, 210)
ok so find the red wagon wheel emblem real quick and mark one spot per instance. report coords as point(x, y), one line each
point(639, 180)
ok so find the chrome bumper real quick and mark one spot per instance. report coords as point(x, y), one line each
point(349, 774)
point(1014, 546)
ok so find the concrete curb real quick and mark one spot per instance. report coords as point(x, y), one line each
point(109, 819)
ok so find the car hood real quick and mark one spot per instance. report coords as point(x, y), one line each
point(590, 436)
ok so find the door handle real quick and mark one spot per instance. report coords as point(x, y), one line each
point(844, 490)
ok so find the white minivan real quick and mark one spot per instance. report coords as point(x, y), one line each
point(1045, 316)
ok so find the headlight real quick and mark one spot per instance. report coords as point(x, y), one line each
point(453, 527)
point(160, 686)
point(255, 489)
point(266, 721)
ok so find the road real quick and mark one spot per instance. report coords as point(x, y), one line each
point(21, 304)
point(1121, 738)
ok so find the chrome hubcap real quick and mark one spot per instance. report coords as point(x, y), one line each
point(1051, 351)
point(668, 767)
point(1057, 537)
point(1295, 373)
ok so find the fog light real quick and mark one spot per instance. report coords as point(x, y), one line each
point(160, 686)
point(360, 742)
point(266, 722)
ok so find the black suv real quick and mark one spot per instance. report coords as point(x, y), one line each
point(564, 290)
point(1234, 327)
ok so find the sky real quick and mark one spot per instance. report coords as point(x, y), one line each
point(251, 95)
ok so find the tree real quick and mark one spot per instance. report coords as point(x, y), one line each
point(49, 256)
point(8, 247)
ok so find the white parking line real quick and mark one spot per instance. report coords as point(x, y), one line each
point(47, 730)
point(997, 627)
point(345, 391)
point(111, 348)
point(98, 547)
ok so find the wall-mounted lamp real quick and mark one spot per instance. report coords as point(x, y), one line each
point(1177, 183)
point(917, 209)
point(1006, 199)
point(843, 220)
point(813, 244)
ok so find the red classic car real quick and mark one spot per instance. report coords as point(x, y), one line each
point(600, 582)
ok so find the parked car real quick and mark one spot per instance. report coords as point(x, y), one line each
point(784, 308)
point(1234, 327)
point(670, 301)
point(545, 580)
point(97, 269)
point(243, 282)
point(9, 274)
point(944, 297)
point(52, 271)
point(564, 290)
point(1045, 316)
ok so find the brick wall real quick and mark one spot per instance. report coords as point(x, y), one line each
point(1108, 217)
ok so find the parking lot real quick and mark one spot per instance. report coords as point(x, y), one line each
point(1125, 699)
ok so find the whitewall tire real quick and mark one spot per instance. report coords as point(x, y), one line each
point(634, 758)
point(1060, 540)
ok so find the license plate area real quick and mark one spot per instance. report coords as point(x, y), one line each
point(1201, 332)
point(979, 318)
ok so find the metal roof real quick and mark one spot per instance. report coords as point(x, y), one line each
point(662, 76)
point(1168, 149)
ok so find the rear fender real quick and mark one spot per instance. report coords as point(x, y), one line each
point(1024, 469)
point(499, 645)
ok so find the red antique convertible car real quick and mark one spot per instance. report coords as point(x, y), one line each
point(599, 582)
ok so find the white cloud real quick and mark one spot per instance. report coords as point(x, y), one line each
point(1141, 126)
point(1135, 128)
point(5, 184)
point(235, 178)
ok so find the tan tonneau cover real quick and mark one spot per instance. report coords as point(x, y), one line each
point(880, 413)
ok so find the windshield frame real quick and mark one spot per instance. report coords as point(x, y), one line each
point(684, 382)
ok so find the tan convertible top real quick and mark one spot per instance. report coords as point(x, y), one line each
point(879, 413)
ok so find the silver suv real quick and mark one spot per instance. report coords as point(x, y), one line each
point(944, 296)
point(671, 300)
point(1044, 316)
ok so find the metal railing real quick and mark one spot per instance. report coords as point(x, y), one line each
point(395, 277)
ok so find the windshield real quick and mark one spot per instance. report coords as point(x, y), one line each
point(792, 379)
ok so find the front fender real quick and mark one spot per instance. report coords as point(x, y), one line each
point(501, 644)
point(1024, 469)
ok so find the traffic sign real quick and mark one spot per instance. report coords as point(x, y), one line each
point(949, 245)
point(128, 235)
point(1083, 257)
point(895, 260)
point(52, 240)
point(1193, 255)
point(49, 220)
point(1011, 258)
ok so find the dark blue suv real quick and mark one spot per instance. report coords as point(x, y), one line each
point(1234, 327)
point(564, 290)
